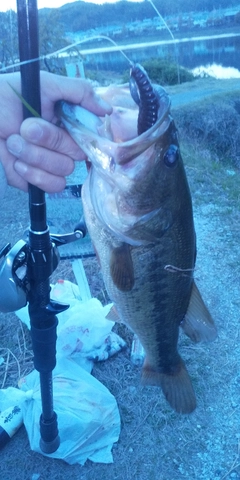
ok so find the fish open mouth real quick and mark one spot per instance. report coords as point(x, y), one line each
point(124, 148)
point(141, 114)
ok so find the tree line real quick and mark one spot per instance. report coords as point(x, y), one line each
point(52, 35)
point(80, 16)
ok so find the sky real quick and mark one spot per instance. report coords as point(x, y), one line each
point(11, 4)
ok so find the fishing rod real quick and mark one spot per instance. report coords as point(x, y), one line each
point(40, 258)
point(39, 254)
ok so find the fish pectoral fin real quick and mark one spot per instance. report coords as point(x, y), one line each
point(198, 323)
point(176, 386)
point(113, 315)
point(121, 268)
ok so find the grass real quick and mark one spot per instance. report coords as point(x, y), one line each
point(210, 177)
point(214, 126)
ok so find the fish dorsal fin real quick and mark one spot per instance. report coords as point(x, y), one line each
point(198, 323)
point(113, 315)
point(121, 268)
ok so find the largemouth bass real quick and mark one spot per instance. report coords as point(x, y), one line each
point(138, 211)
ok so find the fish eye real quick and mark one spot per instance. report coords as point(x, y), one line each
point(171, 156)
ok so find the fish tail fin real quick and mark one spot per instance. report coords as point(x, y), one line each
point(177, 386)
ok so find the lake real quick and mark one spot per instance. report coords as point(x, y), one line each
point(190, 52)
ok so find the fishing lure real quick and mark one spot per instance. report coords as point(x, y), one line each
point(145, 96)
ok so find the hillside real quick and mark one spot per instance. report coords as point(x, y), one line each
point(81, 16)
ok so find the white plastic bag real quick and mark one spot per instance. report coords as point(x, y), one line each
point(83, 331)
point(88, 416)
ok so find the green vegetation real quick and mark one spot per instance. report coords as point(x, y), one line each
point(164, 72)
point(51, 35)
point(209, 178)
point(213, 126)
point(51, 32)
point(81, 16)
point(8, 37)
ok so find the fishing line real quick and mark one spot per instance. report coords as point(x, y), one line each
point(169, 30)
point(64, 49)
point(174, 269)
point(161, 17)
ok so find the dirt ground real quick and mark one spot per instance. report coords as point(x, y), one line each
point(155, 443)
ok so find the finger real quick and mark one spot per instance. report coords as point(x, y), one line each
point(46, 181)
point(45, 134)
point(12, 176)
point(40, 157)
point(75, 90)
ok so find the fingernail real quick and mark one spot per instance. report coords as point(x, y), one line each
point(34, 132)
point(14, 144)
point(20, 167)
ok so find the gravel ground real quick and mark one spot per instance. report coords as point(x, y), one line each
point(156, 443)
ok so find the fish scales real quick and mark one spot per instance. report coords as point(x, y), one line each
point(138, 211)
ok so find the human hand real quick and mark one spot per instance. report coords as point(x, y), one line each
point(35, 150)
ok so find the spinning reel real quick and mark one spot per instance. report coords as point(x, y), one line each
point(14, 282)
